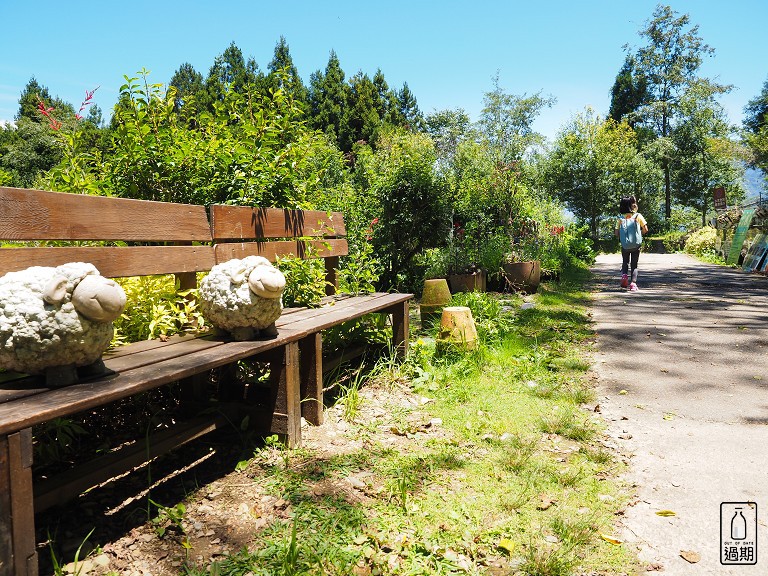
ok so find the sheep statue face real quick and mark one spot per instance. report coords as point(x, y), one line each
point(243, 297)
point(54, 321)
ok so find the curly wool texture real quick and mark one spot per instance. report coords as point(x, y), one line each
point(35, 335)
point(228, 302)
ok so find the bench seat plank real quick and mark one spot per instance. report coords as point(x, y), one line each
point(67, 400)
point(113, 261)
point(24, 402)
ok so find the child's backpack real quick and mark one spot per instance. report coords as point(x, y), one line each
point(629, 233)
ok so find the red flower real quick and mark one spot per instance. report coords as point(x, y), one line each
point(87, 102)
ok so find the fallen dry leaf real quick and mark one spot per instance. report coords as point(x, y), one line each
point(666, 513)
point(544, 502)
point(690, 556)
point(610, 539)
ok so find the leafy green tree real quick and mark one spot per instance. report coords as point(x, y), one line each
point(387, 105)
point(448, 128)
point(361, 120)
point(189, 86)
point(230, 73)
point(506, 121)
point(593, 163)
point(756, 111)
point(756, 128)
point(629, 93)
point(327, 98)
point(706, 157)
point(405, 198)
point(408, 109)
point(669, 62)
point(26, 150)
point(252, 150)
point(30, 98)
point(284, 75)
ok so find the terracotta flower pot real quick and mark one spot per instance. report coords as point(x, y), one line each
point(457, 329)
point(474, 282)
point(435, 296)
point(523, 276)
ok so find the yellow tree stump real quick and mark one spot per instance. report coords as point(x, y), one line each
point(457, 329)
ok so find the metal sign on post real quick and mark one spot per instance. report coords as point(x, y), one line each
point(718, 194)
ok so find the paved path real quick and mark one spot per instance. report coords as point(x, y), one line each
point(683, 384)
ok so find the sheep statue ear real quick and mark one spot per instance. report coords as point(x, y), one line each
point(99, 299)
point(267, 281)
point(237, 274)
point(56, 290)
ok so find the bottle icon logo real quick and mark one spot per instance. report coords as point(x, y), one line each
point(738, 525)
point(738, 533)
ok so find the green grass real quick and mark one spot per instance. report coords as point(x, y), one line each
point(517, 478)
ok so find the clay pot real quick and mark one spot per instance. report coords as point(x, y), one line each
point(435, 296)
point(457, 329)
point(474, 282)
point(522, 276)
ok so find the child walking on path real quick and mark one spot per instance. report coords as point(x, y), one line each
point(630, 228)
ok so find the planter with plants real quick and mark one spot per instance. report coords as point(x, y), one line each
point(521, 266)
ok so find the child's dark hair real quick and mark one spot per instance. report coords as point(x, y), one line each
point(627, 204)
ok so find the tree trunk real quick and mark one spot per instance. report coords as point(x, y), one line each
point(667, 178)
point(667, 192)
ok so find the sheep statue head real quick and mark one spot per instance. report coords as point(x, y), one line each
point(57, 321)
point(243, 297)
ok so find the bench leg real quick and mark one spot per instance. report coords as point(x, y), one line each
point(284, 380)
point(311, 373)
point(193, 392)
point(18, 555)
point(400, 328)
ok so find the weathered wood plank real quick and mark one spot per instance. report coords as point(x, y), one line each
point(6, 522)
point(53, 403)
point(41, 215)
point(348, 309)
point(157, 365)
point(311, 377)
point(271, 250)
point(22, 510)
point(246, 223)
point(74, 481)
point(114, 262)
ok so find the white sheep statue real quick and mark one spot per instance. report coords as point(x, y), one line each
point(243, 297)
point(57, 321)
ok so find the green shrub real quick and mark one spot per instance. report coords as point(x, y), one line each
point(304, 280)
point(360, 270)
point(702, 241)
point(155, 308)
point(582, 249)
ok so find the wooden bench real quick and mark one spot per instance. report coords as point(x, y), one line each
point(151, 238)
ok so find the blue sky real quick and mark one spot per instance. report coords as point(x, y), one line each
point(447, 51)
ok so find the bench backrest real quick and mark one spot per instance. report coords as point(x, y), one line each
point(147, 238)
point(240, 231)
